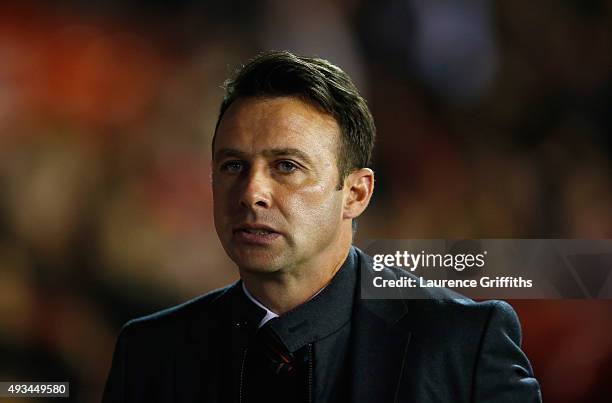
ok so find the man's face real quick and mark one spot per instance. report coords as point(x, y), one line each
point(275, 174)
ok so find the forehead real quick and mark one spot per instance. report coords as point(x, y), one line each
point(253, 125)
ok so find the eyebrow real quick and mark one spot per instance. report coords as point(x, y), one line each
point(229, 152)
point(273, 152)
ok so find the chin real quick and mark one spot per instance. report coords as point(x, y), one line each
point(255, 261)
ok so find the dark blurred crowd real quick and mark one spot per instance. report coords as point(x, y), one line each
point(494, 121)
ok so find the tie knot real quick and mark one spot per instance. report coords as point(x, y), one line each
point(281, 361)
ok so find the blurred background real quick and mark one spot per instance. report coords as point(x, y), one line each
point(494, 121)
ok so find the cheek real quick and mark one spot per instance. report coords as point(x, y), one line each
point(221, 192)
point(220, 204)
point(315, 209)
point(315, 201)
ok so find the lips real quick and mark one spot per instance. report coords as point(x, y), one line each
point(255, 233)
point(254, 227)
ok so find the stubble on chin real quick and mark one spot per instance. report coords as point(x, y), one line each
point(258, 261)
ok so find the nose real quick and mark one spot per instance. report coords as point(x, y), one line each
point(257, 189)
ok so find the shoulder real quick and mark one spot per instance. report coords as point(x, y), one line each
point(436, 306)
point(456, 340)
point(177, 320)
point(467, 319)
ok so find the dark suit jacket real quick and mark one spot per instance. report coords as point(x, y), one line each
point(435, 349)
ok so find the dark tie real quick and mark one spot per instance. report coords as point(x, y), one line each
point(273, 373)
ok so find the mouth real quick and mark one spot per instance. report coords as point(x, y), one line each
point(256, 231)
point(255, 234)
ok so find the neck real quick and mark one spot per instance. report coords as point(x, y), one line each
point(283, 291)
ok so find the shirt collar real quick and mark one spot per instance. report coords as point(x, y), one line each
point(269, 314)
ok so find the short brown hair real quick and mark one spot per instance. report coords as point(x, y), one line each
point(319, 83)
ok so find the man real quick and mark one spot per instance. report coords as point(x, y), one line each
point(290, 161)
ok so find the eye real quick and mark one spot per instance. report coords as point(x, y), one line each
point(232, 167)
point(286, 166)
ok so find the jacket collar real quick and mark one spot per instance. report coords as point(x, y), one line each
point(381, 335)
point(322, 315)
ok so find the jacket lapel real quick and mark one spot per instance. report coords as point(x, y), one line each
point(208, 366)
point(200, 360)
point(381, 337)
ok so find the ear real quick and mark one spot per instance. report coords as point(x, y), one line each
point(358, 189)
